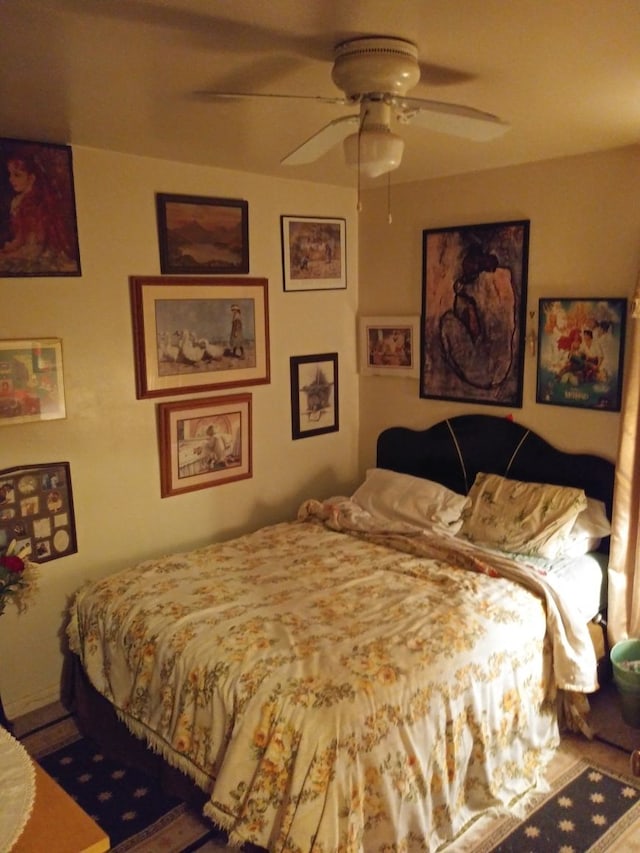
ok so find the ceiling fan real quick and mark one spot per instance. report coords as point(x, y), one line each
point(376, 73)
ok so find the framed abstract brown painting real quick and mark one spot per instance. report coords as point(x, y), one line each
point(474, 295)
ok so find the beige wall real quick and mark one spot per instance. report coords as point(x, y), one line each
point(109, 437)
point(584, 241)
point(585, 224)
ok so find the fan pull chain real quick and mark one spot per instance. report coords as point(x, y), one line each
point(389, 216)
point(359, 201)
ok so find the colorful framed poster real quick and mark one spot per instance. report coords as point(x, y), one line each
point(314, 253)
point(36, 509)
point(198, 235)
point(580, 352)
point(198, 334)
point(204, 442)
point(314, 394)
point(31, 381)
point(474, 296)
point(389, 346)
point(38, 226)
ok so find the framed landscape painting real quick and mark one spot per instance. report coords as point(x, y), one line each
point(474, 296)
point(202, 236)
point(197, 334)
point(580, 352)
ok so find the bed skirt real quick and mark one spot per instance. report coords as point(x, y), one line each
point(97, 719)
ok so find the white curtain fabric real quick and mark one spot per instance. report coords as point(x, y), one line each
point(624, 562)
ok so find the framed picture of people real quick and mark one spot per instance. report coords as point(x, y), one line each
point(314, 253)
point(204, 442)
point(580, 352)
point(38, 226)
point(199, 333)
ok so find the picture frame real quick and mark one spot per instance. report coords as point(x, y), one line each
point(38, 222)
point(31, 381)
point(389, 346)
point(314, 394)
point(36, 509)
point(197, 334)
point(581, 352)
point(314, 253)
point(474, 296)
point(204, 442)
point(198, 235)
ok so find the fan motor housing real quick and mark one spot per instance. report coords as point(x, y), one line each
point(377, 65)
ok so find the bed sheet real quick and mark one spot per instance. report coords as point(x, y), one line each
point(328, 691)
point(581, 580)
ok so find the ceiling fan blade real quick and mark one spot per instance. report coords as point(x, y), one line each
point(322, 141)
point(454, 119)
point(231, 96)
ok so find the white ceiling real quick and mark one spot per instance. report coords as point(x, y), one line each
point(123, 75)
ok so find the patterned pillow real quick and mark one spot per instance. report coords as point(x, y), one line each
point(521, 518)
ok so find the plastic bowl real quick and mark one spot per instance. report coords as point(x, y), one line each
point(626, 650)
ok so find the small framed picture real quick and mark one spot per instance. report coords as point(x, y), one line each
point(197, 334)
point(38, 226)
point(36, 509)
point(204, 442)
point(202, 236)
point(31, 381)
point(314, 394)
point(580, 352)
point(314, 253)
point(389, 346)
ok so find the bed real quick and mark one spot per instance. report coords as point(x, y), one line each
point(369, 676)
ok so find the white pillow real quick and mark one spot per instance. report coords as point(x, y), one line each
point(592, 521)
point(587, 531)
point(401, 497)
point(521, 518)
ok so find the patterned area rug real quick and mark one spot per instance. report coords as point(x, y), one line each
point(593, 810)
point(127, 803)
point(593, 803)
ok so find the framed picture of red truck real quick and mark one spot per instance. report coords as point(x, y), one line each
point(31, 381)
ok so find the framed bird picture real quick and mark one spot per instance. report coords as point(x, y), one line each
point(314, 394)
point(198, 334)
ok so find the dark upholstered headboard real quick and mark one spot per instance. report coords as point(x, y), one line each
point(453, 451)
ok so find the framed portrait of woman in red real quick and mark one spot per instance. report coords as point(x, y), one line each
point(38, 226)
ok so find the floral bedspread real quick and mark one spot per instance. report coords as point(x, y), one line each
point(330, 691)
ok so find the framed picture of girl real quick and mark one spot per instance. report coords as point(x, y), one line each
point(38, 227)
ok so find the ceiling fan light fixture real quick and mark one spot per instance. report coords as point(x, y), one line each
point(374, 151)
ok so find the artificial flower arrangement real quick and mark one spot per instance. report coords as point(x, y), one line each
point(18, 577)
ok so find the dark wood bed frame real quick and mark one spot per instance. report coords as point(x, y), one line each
point(453, 451)
point(450, 452)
